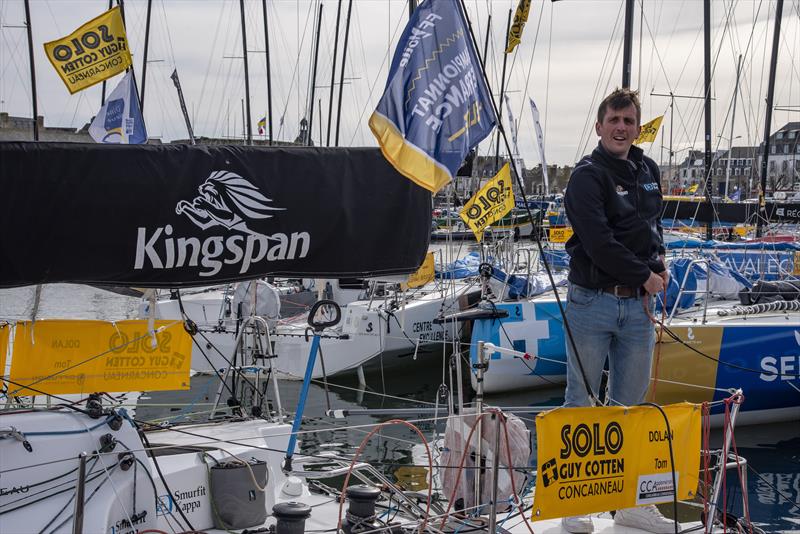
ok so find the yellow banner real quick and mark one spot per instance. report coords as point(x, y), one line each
point(94, 52)
point(424, 274)
point(520, 18)
point(649, 131)
point(72, 356)
point(5, 332)
point(490, 204)
point(560, 235)
point(600, 459)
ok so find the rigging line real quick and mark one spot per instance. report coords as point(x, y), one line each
point(357, 28)
point(295, 67)
point(375, 81)
point(110, 479)
point(521, 111)
point(168, 34)
point(405, 399)
point(23, 80)
point(609, 84)
point(201, 105)
point(592, 112)
point(547, 77)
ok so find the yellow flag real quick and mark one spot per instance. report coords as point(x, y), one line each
point(5, 330)
point(94, 52)
point(520, 18)
point(692, 189)
point(424, 274)
point(560, 235)
point(490, 204)
point(74, 356)
point(649, 131)
point(609, 458)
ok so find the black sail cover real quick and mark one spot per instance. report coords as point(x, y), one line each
point(179, 215)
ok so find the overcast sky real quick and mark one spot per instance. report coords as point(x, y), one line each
point(570, 57)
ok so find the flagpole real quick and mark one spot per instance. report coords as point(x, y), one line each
point(33, 70)
point(773, 64)
point(707, 115)
point(146, 48)
point(545, 262)
point(248, 120)
point(269, 72)
point(333, 73)
point(314, 76)
point(627, 50)
point(341, 74)
point(502, 91)
point(176, 81)
point(121, 4)
point(486, 40)
point(103, 94)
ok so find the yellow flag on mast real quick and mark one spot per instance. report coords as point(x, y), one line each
point(94, 52)
point(520, 18)
point(649, 131)
point(490, 204)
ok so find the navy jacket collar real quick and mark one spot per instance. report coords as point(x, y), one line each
point(635, 155)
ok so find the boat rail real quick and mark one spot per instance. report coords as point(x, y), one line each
point(683, 291)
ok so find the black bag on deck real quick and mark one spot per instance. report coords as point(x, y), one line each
point(763, 292)
point(237, 502)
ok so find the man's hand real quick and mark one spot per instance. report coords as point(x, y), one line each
point(654, 284)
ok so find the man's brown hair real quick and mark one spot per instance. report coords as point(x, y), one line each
point(620, 99)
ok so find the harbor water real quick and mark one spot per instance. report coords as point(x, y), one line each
point(772, 451)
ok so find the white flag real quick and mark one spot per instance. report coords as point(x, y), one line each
point(120, 118)
point(512, 126)
point(540, 141)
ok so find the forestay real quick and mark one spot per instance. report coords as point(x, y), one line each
point(179, 215)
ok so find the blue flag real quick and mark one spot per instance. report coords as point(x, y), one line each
point(120, 118)
point(436, 105)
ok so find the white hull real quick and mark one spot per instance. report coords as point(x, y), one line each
point(374, 337)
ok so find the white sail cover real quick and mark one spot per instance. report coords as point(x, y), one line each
point(456, 433)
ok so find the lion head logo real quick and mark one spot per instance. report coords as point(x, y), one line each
point(226, 199)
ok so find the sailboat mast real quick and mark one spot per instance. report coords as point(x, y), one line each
point(707, 86)
point(314, 76)
point(773, 63)
point(33, 70)
point(146, 48)
point(248, 120)
point(341, 74)
point(269, 71)
point(333, 74)
point(627, 49)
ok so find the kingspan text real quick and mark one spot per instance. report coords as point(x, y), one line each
point(166, 252)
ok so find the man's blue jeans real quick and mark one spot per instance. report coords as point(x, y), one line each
point(604, 325)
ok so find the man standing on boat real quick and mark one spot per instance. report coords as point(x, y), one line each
point(613, 201)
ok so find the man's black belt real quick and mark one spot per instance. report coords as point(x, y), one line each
point(624, 292)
